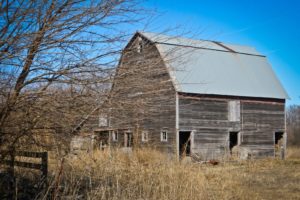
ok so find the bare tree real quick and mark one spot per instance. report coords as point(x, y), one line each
point(55, 56)
point(293, 124)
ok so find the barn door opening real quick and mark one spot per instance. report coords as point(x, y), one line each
point(278, 143)
point(103, 139)
point(128, 139)
point(233, 140)
point(184, 143)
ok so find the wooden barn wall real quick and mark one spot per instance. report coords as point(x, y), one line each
point(208, 119)
point(260, 121)
point(143, 98)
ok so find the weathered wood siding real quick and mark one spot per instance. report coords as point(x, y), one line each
point(208, 119)
point(143, 98)
point(260, 121)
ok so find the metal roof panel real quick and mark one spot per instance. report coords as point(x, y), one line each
point(218, 71)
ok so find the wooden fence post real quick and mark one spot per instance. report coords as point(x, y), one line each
point(44, 167)
point(11, 172)
point(12, 162)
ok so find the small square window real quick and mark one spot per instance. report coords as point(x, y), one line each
point(103, 121)
point(115, 136)
point(145, 136)
point(164, 136)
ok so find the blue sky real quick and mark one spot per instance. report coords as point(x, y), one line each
point(271, 26)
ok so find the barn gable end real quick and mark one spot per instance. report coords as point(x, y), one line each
point(143, 97)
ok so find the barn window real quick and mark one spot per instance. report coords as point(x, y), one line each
point(234, 111)
point(164, 136)
point(103, 121)
point(115, 135)
point(145, 136)
point(139, 45)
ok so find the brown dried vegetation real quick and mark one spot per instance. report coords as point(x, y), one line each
point(148, 174)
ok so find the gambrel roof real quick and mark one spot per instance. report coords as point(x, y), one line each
point(208, 67)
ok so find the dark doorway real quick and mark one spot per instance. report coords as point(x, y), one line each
point(102, 138)
point(278, 137)
point(184, 143)
point(128, 139)
point(233, 140)
point(278, 144)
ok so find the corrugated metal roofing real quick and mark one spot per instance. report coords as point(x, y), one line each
point(207, 67)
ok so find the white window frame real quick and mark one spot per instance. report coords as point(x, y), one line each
point(145, 136)
point(115, 136)
point(162, 138)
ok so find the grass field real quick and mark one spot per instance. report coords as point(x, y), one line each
point(149, 175)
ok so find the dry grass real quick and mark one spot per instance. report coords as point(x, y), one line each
point(141, 175)
point(293, 152)
point(260, 179)
point(147, 174)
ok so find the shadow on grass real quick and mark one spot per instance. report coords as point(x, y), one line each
point(24, 188)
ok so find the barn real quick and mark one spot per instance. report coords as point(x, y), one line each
point(195, 97)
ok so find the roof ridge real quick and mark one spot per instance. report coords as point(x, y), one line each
point(212, 49)
point(196, 43)
point(193, 39)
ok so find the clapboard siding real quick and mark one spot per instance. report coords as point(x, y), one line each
point(143, 98)
point(260, 120)
point(208, 119)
